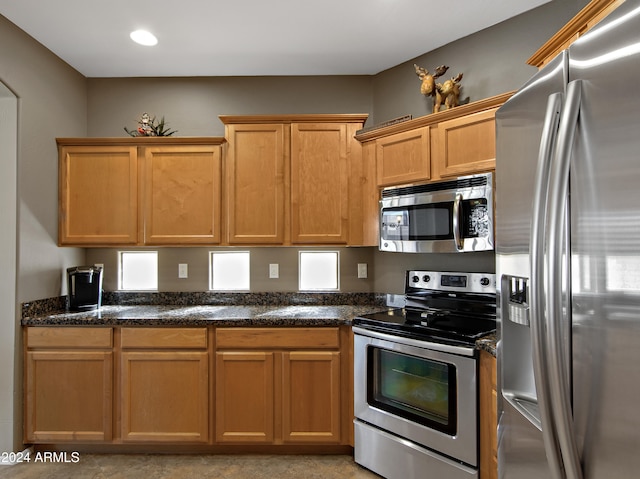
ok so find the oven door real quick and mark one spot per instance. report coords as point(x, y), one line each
point(421, 391)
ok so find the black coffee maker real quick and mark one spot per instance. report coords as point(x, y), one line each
point(84, 287)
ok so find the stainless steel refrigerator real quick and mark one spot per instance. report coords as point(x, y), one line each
point(568, 261)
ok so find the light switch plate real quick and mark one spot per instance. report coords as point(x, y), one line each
point(183, 270)
point(362, 270)
point(274, 270)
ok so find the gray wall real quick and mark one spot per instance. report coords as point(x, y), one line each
point(493, 61)
point(192, 105)
point(51, 102)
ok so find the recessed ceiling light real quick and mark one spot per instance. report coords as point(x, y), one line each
point(144, 37)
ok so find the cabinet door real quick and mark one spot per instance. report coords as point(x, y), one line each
point(319, 183)
point(68, 396)
point(404, 157)
point(311, 396)
point(182, 194)
point(98, 195)
point(488, 417)
point(467, 144)
point(165, 396)
point(244, 397)
point(255, 181)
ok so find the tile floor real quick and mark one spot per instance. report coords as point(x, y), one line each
point(144, 466)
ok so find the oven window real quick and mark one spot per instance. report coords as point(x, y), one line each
point(418, 389)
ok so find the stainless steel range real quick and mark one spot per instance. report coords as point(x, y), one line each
point(415, 373)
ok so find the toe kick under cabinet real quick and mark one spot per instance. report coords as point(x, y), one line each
point(205, 386)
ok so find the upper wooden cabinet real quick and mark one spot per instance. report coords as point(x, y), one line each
point(137, 191)
point(319, 183)
point(467, 144)
point(454, 142)
point(181, 194)
point(256, 171)
point(98, 194)
point(295, 179)
point(589, 16)
point(403, 157)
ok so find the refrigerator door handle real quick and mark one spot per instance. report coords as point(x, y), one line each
point(556, 228)
point(537, 294)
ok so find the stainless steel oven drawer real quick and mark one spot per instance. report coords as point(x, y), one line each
point(396, 458)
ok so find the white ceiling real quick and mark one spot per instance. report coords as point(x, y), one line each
point(251, 37)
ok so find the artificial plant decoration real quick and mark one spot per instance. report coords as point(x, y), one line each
point(148, 126)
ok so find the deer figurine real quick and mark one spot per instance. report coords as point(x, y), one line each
point(449, 91)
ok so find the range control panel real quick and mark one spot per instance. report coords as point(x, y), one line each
point(451, 281)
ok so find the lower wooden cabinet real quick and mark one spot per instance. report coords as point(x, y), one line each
point(488, 417)
point(244, 397)
point(311, 396)
point(287, 391)
point(68, 386)
point(165, 396)
point(162, 385)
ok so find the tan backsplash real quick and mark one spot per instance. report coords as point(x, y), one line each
point(385, 270)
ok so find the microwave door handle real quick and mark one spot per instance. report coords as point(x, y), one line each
point(457, 210)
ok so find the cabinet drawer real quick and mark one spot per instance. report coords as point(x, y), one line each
point(69, 337)
point(169, 338)
point(298, 338)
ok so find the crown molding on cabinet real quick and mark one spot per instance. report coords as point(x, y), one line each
point(143, 141)
point(312, 118)
point(434, 118)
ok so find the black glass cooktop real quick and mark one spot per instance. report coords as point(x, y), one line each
point(440, 327)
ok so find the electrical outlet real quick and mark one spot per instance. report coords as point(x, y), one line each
point(99, 265)
point(362, 270)
point(183, 270)
point(274, 271)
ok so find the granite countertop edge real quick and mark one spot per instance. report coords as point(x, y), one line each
point(179, 315)
point(220, 316)
point(488, 343)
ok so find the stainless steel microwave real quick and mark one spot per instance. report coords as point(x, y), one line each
point(439, 217)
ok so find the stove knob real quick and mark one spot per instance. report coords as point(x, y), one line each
point(415, 279)
point(426, 278)
point(485, 281)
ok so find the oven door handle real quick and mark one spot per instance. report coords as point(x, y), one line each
point(457, 211)
point(445, 348)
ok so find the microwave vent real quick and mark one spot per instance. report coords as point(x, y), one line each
point(468, 182)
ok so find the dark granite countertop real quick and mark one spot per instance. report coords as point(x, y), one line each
point(488, 343)
point(203, 309)
point(180, 315)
